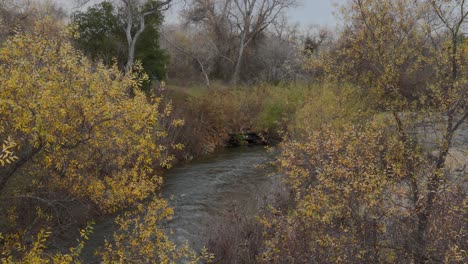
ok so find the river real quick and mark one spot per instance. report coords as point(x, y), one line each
point(201, 192)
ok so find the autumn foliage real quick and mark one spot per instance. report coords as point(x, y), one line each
point(353, 201)
point(371, 160)
point(77, 134)
point(77, 124)
point(386, 183)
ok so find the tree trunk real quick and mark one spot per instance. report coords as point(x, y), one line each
point(131, 56)
point(128, 34)
point(238, 65)
point(207, 79)
point(433, 186)
point(132, 40)
point(132, 43)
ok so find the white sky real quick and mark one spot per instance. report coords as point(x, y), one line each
point(309, 12)
point(315, 12)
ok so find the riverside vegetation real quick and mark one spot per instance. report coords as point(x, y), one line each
point(370, 124)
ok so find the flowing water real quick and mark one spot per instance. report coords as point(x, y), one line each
point(202, 191)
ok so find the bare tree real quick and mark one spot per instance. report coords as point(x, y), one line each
point(211, 18)
point(277, 54)
point(237, 20)
point(201, 50)
point(251, 17)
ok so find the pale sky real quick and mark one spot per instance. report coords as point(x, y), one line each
point(315, 12)
point(309, 12)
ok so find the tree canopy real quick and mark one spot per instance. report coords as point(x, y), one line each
point(101, 35)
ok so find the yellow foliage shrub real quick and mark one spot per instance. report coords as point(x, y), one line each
point(328, 104)
point(353, 200)
point(87, 132)
point(12, 245)
point(77, 124)
point(140, 239)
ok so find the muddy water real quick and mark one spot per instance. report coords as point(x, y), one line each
point(201, 192)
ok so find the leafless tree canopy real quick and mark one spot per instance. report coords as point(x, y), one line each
point(239, 21)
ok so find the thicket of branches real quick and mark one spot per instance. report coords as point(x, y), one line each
point(387, 185)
